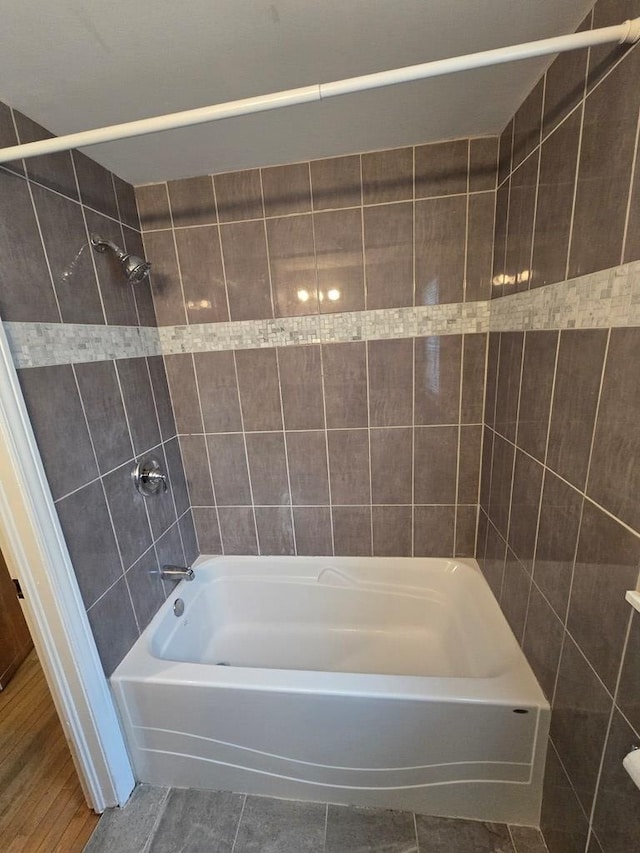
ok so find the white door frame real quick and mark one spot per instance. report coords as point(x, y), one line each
point(36, 554)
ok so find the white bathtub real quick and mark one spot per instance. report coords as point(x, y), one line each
point(369, 681)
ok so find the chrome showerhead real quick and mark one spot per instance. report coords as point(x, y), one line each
point(135, 269)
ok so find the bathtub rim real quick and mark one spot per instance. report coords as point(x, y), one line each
point(517, 686)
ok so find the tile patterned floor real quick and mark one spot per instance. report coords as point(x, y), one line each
point(161, 820)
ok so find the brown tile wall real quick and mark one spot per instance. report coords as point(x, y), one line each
point(92, 421)
point(387, 229)
point(351, 448)
point(559, 543)
point(568, 196)
point(559, 527)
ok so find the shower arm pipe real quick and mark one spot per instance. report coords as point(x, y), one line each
point(625, 33)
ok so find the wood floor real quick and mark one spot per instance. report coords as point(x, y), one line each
point(42, 807)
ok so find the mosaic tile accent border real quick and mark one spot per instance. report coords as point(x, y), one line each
point(455, 318)
point(607, 298)
point(44, 344)
point(600, 300)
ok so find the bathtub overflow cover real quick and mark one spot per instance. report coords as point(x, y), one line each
point(178, 607)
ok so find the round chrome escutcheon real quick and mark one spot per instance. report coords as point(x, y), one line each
point(178, 607)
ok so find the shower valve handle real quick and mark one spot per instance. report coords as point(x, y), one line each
point(155, 478)
point(148, 477)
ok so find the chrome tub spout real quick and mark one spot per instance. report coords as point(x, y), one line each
point(177, 573)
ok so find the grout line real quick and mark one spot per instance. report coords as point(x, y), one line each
point(493, 249)
point(135, 201)
point(166, 462)
point(597, 412)
point(286, 462)
point(506, 237)
point(167, 585)
point(133, 607)
point(37, 219)
point(329, 429)
point(626, 51)
point(563, 619)
point(219, 234)
point(246, 456)
point(26, 177)
point(515, 457)
point(570, 781)
point(326, 821)
point(565, 632)
point(480, 557)
point(586, 94)
point(580, 106)
point(511, 170)
point(365, 291)
point(413, 374)
point(575, 553)
point(322, 376)
point(322, 506)
point(193, 521)
point(366, 355)
point(144, 554)
point(310, 212)
point(102, 474)
point(19, 162)
point(130, 433)
point(177, 257)
point(207, 454)
point(492, 430)
point(537, 193)
point(92, 253)
point(483, 425)
point(538, 145)
point(366, 352)
point(124, 243)
point(161, 810)
point(266, 246)
point(542, 483)
point(315, 254)
point(551, 401)
point(586, 660)
point(108, 589)
point(572, 486)
point(235, 837)
point(591, 833)
point(458, 445)
point(466, 228)
point(326, 433)
point(413, 232)
point(104, 496)
point(146, 507)
point(413, 452)
point(624, 716)
point(83, 208)
point(631, 191)
point(609, 723)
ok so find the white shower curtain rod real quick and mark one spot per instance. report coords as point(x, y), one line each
point(627, 32)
